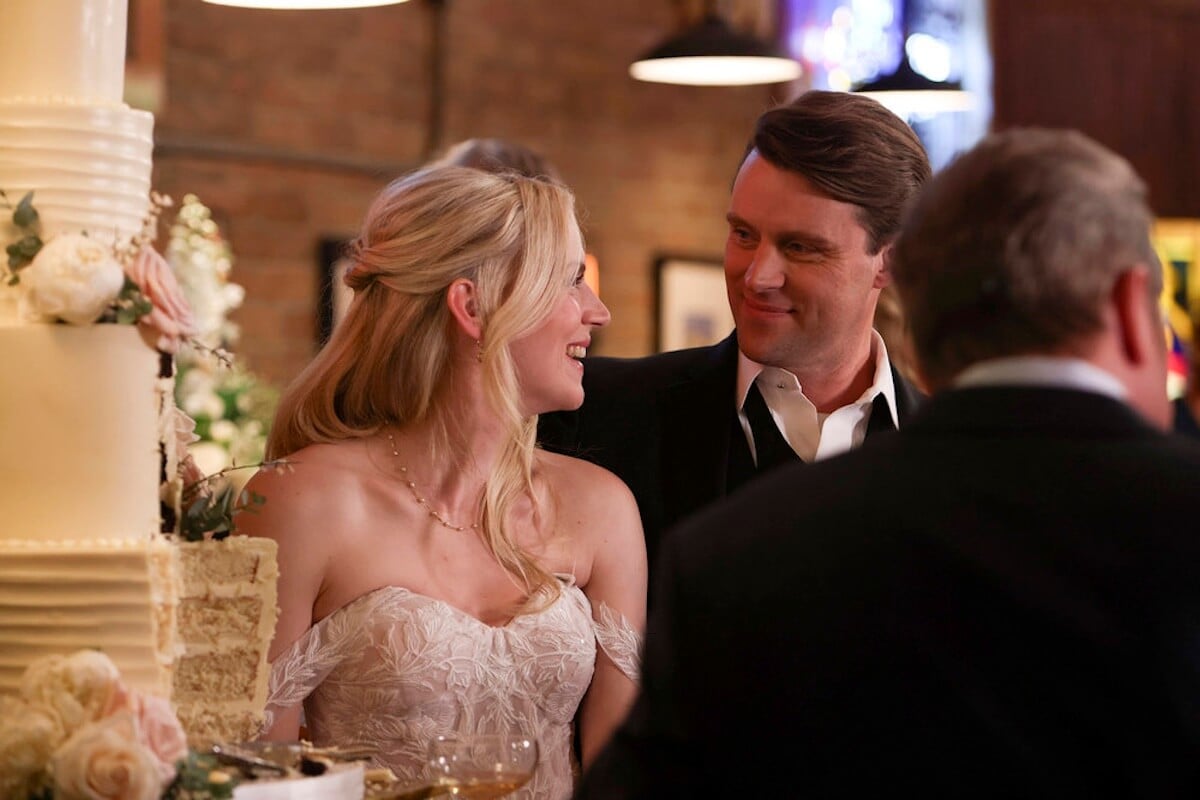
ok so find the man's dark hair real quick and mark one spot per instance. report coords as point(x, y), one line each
point(853, 149)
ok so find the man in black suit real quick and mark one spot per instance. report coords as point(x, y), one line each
point(814, 209)
point(999, 600)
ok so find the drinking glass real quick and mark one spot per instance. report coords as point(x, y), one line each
point(482, 766)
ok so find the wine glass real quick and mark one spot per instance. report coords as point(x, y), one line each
point(482, 766)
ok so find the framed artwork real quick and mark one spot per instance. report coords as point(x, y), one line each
point(1177, 242)
point(692, 306)
point(333, 296)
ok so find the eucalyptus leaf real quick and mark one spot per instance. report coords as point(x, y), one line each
point(132, 305)
point(22, 252)
point(25, 215)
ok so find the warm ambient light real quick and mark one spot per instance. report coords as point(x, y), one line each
point(919, 86)
point(713, 54)
point(906, 92)
point(304, 4)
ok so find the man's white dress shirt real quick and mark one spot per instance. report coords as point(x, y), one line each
point(813, 435)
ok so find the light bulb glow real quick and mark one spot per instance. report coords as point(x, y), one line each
point(905, 104)
point(929, 56)
point(716, 70)
point(304, 4)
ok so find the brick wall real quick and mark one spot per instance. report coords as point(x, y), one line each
point(287, 123)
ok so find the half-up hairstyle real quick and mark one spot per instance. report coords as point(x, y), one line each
point(389, 362)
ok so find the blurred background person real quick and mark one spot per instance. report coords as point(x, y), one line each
point(499, 155)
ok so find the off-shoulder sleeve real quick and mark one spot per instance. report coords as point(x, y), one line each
point(619, 640)
point(301, 668)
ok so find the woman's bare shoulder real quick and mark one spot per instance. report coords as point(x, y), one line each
point(582, 480)
point(303, 491)
point(588, 497)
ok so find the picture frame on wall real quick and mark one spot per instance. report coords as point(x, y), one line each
point(1177, 242)
point(333, 296)
point(692, 307)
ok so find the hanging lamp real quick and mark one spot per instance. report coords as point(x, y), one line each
point(711, 53)
point(304, 4)
point(907, 92)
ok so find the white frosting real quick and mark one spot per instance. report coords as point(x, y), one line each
point(82, 563)
point(59, 597)
point(65, 134)
point(88, 167)
point(79, 422)
point(63, 48)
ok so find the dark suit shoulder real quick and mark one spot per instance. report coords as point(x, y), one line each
point(653, 373)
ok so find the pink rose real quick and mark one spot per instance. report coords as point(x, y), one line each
point(171, 321)
point(162, 733)
point(157, 727)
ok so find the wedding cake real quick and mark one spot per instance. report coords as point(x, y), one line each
point(87, 419)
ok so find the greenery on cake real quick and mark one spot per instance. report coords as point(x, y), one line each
point(81, 280)
point(210, 503)
point(183, 303)
point(22, 252)
point(76, 731)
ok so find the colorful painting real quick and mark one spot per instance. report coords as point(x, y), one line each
point(1177, 242)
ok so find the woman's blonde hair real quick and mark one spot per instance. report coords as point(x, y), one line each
point(389, 362)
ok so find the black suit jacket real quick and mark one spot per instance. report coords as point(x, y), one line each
point(1001, 600)
point(667, 426)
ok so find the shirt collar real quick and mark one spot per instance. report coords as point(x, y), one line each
point(883, 383)
point(1053, 371)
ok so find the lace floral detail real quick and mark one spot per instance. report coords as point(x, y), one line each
point(393, 669)
point(620, 641)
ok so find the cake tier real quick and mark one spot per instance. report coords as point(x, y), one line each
point(79, 419)
point(117, 597)
point(88, 166)
point(226, 619)
point(63, 48)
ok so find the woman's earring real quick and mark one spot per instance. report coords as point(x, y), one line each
point(479, 351)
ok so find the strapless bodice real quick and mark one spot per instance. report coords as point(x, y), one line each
point(393, 669)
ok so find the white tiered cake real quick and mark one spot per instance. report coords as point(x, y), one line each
point(83, 415)
point(64, 130)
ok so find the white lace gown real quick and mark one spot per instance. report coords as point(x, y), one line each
point(393, 669)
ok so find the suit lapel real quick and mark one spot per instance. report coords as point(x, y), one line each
point(907, 401)
point(695, 416)
point(908, 397)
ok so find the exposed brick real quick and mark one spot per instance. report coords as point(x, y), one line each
point(650, 165)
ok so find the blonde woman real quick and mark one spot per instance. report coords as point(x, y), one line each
point(438, 572)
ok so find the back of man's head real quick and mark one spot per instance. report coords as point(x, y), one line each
point(500, 155)
point(1015, 247)
point(853, 149)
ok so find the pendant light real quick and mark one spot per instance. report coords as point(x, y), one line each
point(910, 93)
point(304, 4)
point(711, 53)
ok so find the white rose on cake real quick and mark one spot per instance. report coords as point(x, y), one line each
point(105, 760)
point(77, 732)
point(72, 278)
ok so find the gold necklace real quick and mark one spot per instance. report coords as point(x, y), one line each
point(412, 487)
